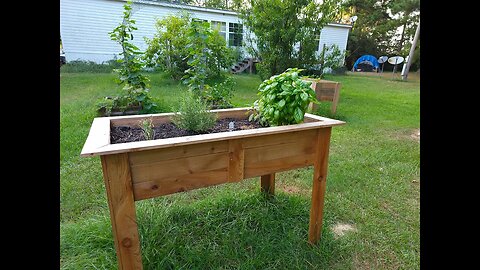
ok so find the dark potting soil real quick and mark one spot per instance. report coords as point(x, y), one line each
point(123, 134)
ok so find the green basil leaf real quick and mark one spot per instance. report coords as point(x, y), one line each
point(298, 115)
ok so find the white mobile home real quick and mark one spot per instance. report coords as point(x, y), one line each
point(85, 24)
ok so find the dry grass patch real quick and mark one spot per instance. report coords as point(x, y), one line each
point(340, 229)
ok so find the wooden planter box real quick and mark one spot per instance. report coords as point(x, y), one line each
point(140, 170)
point(325, 91)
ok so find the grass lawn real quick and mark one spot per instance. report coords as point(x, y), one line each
point(373, 190)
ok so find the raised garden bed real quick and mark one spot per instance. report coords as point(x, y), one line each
point(140, 170)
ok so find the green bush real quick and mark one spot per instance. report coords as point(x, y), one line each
point(192, 114)
point(283, 99)
point(219, 95)
point(182, 44)
point(76, 66)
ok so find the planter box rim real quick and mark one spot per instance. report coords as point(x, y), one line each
point(98, 141)
point(318, 80)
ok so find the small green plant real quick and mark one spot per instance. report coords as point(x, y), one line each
point(219, 95)
point(283, 99)
point(192, 114)
point(147, 127)
point(135, 91)
point(105, 105)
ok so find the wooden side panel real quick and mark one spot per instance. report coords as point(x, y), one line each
point(156, 155)
point(177, 167)
point(296, 152)
point(236, 160)
point(118, 183)
point(195, 166)
point(276, 139)
point(180, 183)
point(165, 171)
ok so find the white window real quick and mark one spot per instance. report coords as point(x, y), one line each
point(221, 27)
point(317, 40)
point(235, 34)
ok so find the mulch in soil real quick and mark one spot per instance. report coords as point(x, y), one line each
point(123, 134)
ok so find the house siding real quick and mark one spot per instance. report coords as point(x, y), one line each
point(85, 26)
point(332, 34)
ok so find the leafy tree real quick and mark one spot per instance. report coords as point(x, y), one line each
point(408, 13)
point(135, 92)
point(375, 31)
point(284, 31)
point(131, 64)
point(221, 4)
point(181, 44)
point(168, 48)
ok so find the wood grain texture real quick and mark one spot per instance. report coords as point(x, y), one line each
point(156, 171)
point(98, 137)
point(267, 183)
point(319, 185)
point(336, 97)
point(236, 160)
point(176, 152)
point(180, 183)
point(325, 91)
point(118, 183)
point(297, 151)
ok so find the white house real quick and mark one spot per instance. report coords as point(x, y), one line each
point(85, 24)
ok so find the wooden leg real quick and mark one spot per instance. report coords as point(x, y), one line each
point(118, 183)
point(336, 95)
point(319, 185)
point(268, 184)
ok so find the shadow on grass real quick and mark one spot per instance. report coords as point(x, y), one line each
point(235, 231)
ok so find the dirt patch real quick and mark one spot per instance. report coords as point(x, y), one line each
point(340, 229)
point(411, 135)
point(123, 134)
point(291, 189)
point(294, 189)
point(415, 135)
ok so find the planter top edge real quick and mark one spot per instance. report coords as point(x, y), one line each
point(94, 147)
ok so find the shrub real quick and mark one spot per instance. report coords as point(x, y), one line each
point(134, 92)
point(192, 114)
point(283, 99)
point(182, 44)
point(219, 95)
point(87, 66)
point(167, 50)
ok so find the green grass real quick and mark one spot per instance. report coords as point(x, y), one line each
point(373, 185)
